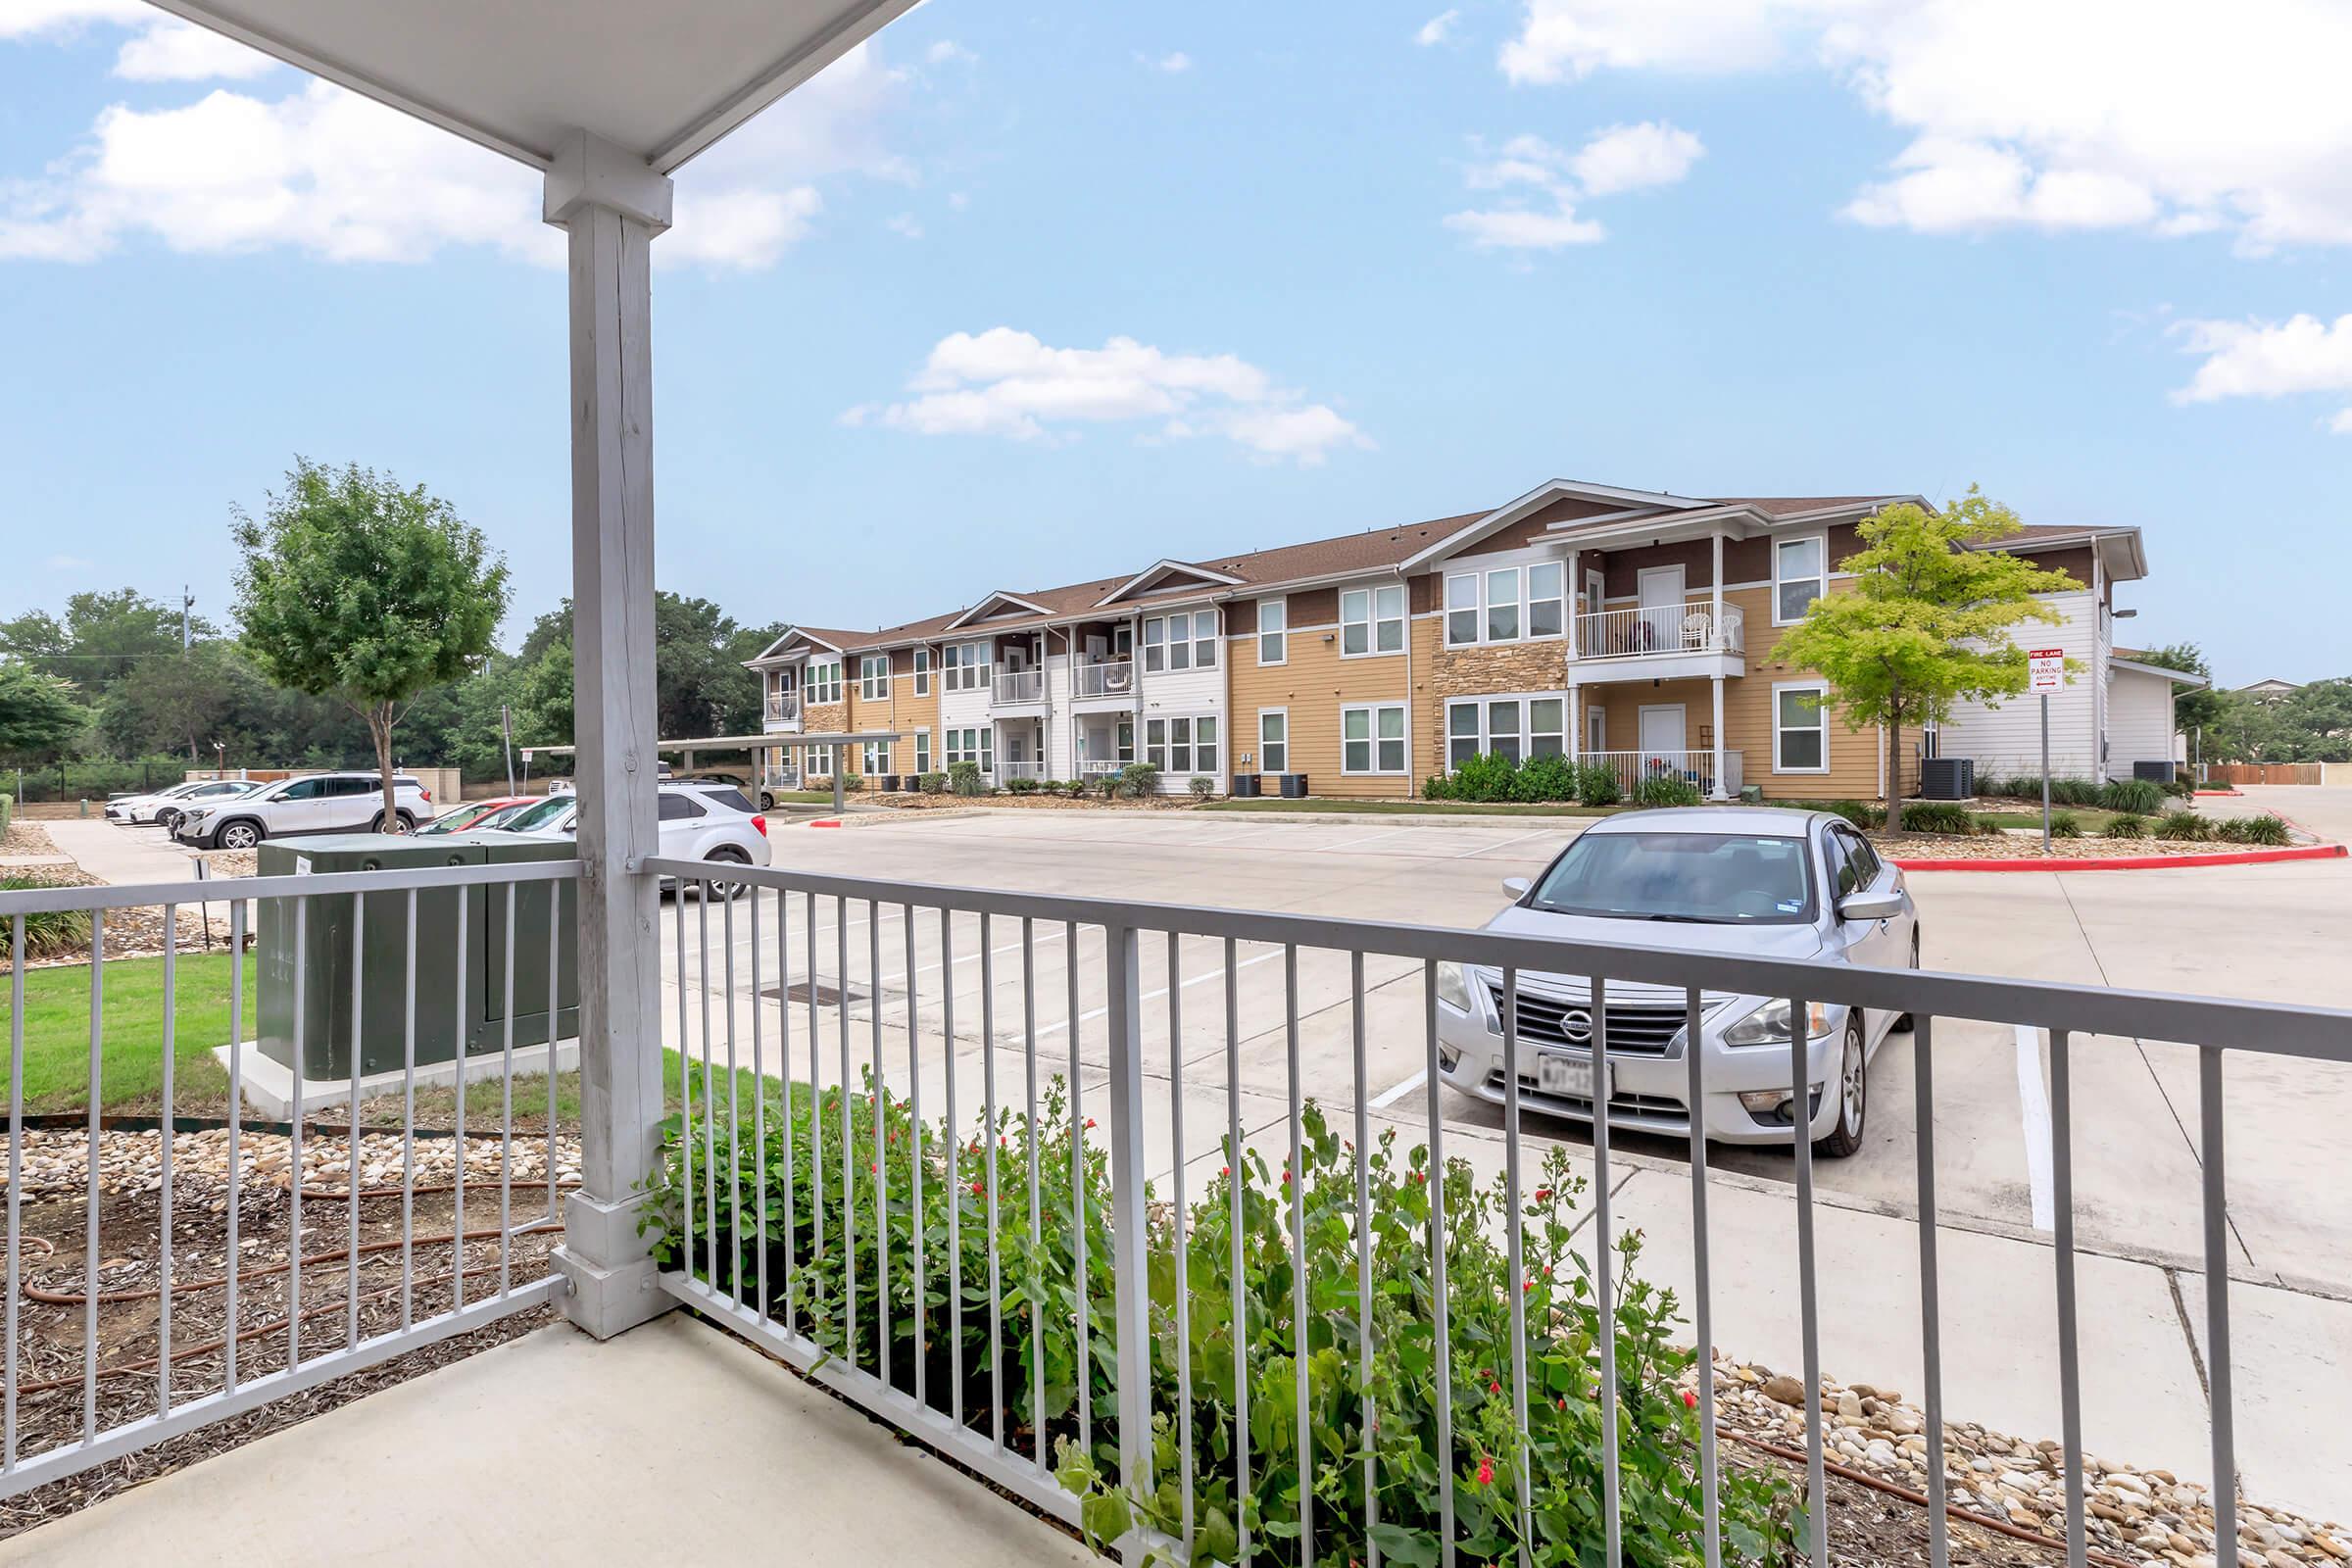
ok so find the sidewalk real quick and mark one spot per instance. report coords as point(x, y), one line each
point(120, 855)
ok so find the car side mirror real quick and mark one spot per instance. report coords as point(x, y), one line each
point(1515, 886)
point(1871, 905)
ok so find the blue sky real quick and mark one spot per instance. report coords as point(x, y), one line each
point(1018, 296)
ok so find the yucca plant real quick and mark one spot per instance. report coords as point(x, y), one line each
point(48, 933)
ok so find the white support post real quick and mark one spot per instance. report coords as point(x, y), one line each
point(1716, 642)
point(613, 206)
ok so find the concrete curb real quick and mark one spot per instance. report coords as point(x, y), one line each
point(2227, 794)
point(2135, 862)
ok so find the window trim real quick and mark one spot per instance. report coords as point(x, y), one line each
point(922, 751)
point(1821, 711)
point(921, 671)
point(1373, 740)
point(1283, 714)
point(966, 673)
point(1281, 634)
point(1481, 607)
point(873, 677)
point(824, 684)
point(1822, 578)
point(1473, 609)
point(1482, 703)
point(1373, 619)
point(1161, 754)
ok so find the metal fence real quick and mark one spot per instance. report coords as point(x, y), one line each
point(758, 1255)
point(294, 1283)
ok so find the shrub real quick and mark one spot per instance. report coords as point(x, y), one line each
point(2065, 825)
point(1596, 784)
point(2180, 789)
point(1103, 785)
point(2143, 796)
point(1937, 816)
point(851, 783)
point(1138, 780)
point(1861, 813)
point(1020, 786)
point(1437, 787)
point(2128, 825)
point(48, 932)
point(1666, 788)
point(1486, 776)
point(1546, 778)
point(2184, 827)
point(1202, 786)
point(933, 783)
point(2263, 829)
point(983, 1176)
point(2074, 792)
point(1990, 828)
point(964, 777)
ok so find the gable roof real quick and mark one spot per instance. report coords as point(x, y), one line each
point(1165, 567)
point(979, 609)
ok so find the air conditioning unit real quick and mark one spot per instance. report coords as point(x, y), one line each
point(1947, 778)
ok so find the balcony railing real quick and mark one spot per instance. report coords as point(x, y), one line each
point(1640, 632)
point(1021, 686)
point(1100, 765)
point(896, 1242)
point(1632, 769)
point(780, 778)
point(1013, 770)
point(782, 705)
point(1110, 677)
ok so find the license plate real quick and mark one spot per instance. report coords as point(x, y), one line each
point(1569, 1077)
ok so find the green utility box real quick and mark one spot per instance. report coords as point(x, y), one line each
point(443, 1013)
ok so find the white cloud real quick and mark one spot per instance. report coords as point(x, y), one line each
point(2168, 116)
point(1009, 384)
point(905, 225)
point(30, 18)
point(1173, 64)
point(2300, 355)
point(172, 50)
point(1544, 183)
point(1437, 29)
point(339, 176)
point(948, 52)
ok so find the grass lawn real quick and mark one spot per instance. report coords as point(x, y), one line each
point(804, 796)
point(1314, 804)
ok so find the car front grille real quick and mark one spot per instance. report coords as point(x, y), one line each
point(1634, 1030)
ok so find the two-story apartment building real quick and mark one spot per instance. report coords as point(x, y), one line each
point(1634, 627)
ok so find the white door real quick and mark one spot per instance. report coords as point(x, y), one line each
point(1661, 595)
point(1097, 648)
point(1662, 732)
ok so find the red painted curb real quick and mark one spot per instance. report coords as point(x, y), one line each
point(2219, 794)
point(2133, 862)
point(826, 821)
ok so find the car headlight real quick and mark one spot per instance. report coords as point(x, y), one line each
point(1768, 1025)
point(1454, 989)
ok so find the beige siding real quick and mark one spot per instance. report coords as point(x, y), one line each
point(1313, 684)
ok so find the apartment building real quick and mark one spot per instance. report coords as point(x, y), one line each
point(1634, 627)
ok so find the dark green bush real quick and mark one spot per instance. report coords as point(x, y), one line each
point(1020, 786)
point(933, 783)
point(1937, 816)
point(2180, 789)
point(1105, 786)
point(827, 1287)
point(2065, 825)
point(1596, 784)
point(1861, 813)
point(48, 933)
point(1437, 787)
point(2186, 827)
point(1548, 778)
point(2264, 829)
point(1138, 781)
point(2126, 825)
point(2074, 792)
point(1486, 776)
point(1666, 788)
point(964, 777)
point(1202, 786)
point(2143, 796)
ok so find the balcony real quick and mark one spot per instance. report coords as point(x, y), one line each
point(783, 711)
point(1110, 678)
point(1661, 642)
point(1016, 688)
point(1007, 771)
point(1632, 768)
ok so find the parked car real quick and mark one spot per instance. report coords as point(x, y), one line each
point(699, 821)
point(1749, 881)
point(323, 802)
point(164, 807)
point(474, 813)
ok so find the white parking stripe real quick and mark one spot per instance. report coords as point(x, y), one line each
point(2034, 1100)
point(1091, 1013)
point(1368, 838)
point(1516, 838)
point(1389, 1096)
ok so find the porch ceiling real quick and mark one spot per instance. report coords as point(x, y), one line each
point(661, 81)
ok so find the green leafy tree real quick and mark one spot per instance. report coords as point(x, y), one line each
point(104, 638)
point(39, 713)
point(358, 588)
point(699, 684)
point(1926, 624)
point(2198, 707)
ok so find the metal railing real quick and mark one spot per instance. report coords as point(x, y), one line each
point(783, 706)
point(1007, 769)
point(1110, 677)
point(1021, 686)
point(1640, 632)
point(283, 1299)
point(1101, 764)
point(786, 777)
point(921, 1186)
point(1634, 768)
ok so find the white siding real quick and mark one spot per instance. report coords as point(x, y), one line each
point(2008, 739)
point(1167, 693)
point(2140, 720)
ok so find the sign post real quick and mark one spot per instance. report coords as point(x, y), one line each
point(2047, 673)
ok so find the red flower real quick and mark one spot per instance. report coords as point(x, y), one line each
point(1286, 1178)
point(1493, 1388)
point(1689, 1401)
point(1529, 1286)
point(1090, 1124)
point(1417, 1178)
point(871, 1167)
point(1563, 1401)
point(1543, 1195)
point(1486, 1472)
point(979, 1188)
point(1224, 1170)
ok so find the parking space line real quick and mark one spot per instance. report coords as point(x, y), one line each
point(1390, 1096)
point(1368, 838)
point(1091, 1013)
point(2033, 1102)
point(1516, 838)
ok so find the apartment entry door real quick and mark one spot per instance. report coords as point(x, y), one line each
point(1662, 731)
point(1661, 593)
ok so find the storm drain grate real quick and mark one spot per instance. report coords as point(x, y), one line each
point(822, 993)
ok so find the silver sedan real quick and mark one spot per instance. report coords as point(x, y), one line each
point(1750, 881)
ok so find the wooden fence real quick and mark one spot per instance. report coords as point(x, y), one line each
point(2265, 772)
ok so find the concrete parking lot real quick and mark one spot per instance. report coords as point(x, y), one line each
point(2268, 932)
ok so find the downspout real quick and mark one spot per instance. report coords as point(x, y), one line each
point(1413, 786)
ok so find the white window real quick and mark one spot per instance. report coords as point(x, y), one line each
point(1462, 610)
point(824, 681)
point(1182, 745)
point(966, 667)
point(820, 762)
point(1502, 605)
point(1546, 594)
point(1181, 642)
point(877, 757)
point(923, 751)
point(1273, 631)
point(1798, 576)
point(1372, 739)
point(1372, 620)
point(1155, 644)
point(1274, 739)
point(873, 676)
point(973, 745)
point(1520, 727)
point(1207, 634)
point(1800, 727)
point(922, 672)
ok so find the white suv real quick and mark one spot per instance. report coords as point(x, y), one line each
point(702, 820)
point(323, 802)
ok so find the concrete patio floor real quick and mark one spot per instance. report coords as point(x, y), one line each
point(555, 1448)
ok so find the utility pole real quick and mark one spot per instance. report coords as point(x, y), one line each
point(187, 602)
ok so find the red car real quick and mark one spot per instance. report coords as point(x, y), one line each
point(471, 814)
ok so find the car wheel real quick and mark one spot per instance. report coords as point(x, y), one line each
point(167, 819)
point(240, 835)
point(767, 802)
point(402, 822)
point(1903, 1021)
point(1853, 1095)
point(725, 890)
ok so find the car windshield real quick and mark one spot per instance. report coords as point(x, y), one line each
point(1696, 878)
point(534, 815)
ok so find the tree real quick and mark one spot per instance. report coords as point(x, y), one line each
point(38, 715)
point(356, 588)
point(1927, 622)
point(699, 684)
point(106, 637)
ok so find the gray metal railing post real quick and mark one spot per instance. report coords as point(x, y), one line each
point(1131, 1295)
